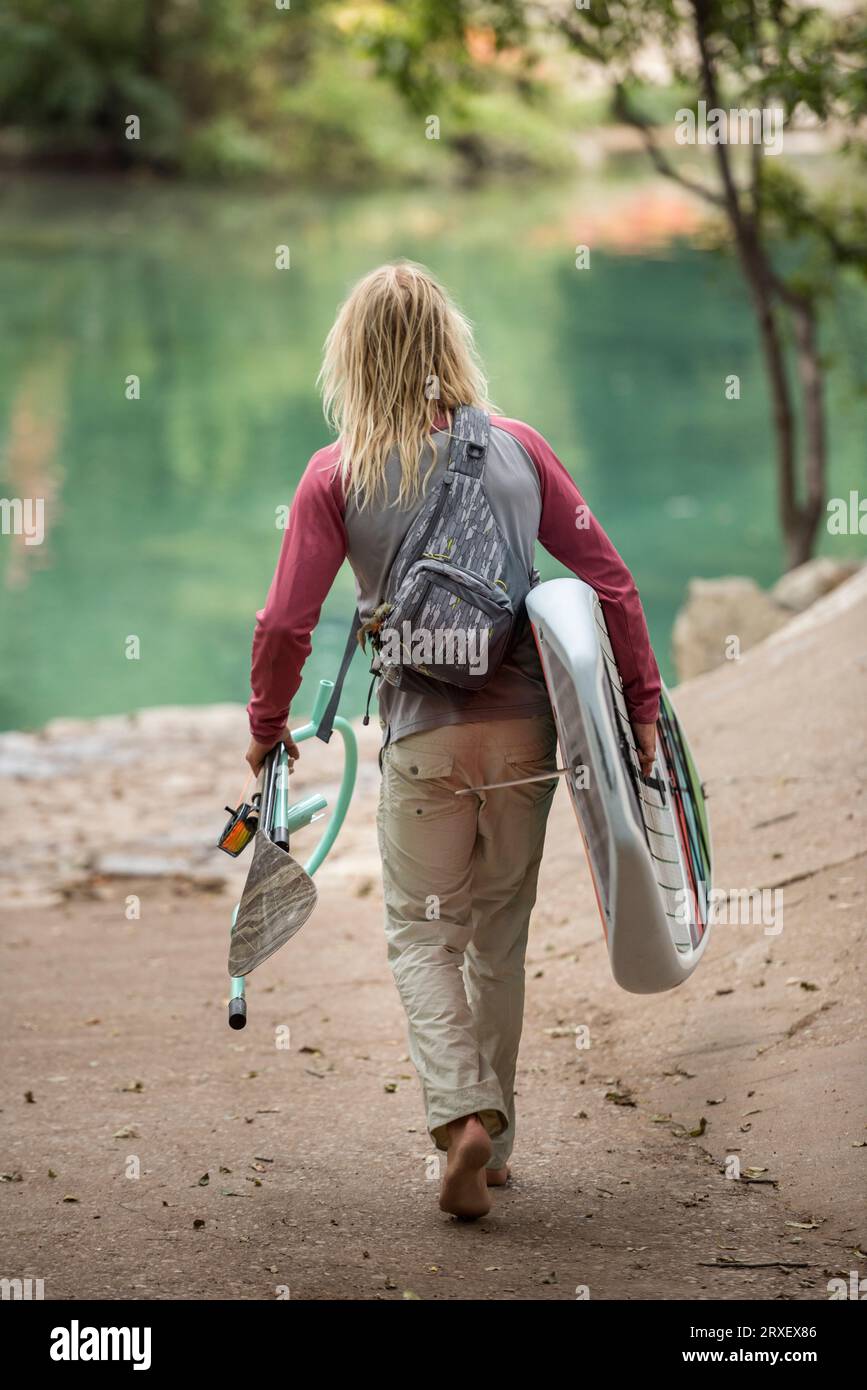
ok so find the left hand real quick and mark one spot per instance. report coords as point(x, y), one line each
point(258, 752)
point(645, 737)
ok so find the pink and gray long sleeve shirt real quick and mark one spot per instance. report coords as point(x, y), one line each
point(533, 498)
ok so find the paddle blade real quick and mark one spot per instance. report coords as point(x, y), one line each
point(278, 898)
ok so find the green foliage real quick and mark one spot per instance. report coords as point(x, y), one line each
point(70, 74)
point(235, 88)
point(421, 46)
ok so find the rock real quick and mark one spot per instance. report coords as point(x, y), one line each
point(126, 863)
point(811, 581)
point(716, 611)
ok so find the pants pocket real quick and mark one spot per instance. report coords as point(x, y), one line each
point(418, 782)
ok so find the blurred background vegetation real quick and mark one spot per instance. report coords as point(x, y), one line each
point(309, 127)
point(238, 88)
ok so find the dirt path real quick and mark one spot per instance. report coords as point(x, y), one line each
point(262, 1167)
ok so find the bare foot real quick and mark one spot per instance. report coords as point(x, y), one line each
point(464, 1191)
point(498, 1177)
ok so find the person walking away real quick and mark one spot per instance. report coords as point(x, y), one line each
point(459, 871)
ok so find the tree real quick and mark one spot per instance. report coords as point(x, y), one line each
point(738, 56)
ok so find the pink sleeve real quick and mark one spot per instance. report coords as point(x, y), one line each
point(314, 547)
point(570, 532)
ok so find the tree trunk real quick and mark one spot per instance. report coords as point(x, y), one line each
point(815, 435)
point(798, 522)
point(758, 280)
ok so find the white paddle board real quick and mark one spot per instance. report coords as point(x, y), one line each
point(647, 839)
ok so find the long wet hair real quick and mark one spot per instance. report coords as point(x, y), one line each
point(400, 353)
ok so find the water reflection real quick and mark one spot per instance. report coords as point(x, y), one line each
point(161, 510)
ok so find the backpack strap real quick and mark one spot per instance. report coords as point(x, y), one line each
point(471, 434)
point(326, 723)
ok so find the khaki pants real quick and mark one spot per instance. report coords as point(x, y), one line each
point(460, 882)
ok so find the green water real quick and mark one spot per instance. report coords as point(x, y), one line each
point(160, 512)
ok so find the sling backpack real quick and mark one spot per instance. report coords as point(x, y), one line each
point(454, 596)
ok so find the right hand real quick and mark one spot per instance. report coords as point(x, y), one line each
point(645, 737)
point(258, 752)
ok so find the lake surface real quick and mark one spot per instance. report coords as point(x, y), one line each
point(160, 512)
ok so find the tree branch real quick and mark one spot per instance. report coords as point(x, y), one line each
point(659, 160)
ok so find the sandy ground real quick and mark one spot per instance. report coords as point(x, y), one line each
point(150, 1152)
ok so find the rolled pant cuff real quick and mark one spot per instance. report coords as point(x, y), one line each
point(482, 1099)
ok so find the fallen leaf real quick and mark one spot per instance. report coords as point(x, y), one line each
point(127, 1132)
point(204, 1180)
point(623, 1097)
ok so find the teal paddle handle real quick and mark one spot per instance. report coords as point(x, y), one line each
point(347, 781)
point(303, 812)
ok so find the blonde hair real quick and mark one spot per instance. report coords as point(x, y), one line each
point(400, 353)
